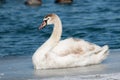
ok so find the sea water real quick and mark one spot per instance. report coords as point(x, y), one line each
point(96, 21)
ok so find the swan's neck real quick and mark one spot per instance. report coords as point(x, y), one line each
point(55, 36)
point(57, 31)
point(51, 42)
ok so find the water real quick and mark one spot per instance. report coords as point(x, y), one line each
point(97, 21)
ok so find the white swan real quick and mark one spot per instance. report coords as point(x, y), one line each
point(70, 52)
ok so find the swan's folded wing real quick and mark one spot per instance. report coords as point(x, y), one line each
point(74, 46)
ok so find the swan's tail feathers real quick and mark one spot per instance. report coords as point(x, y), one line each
point(103, 53)
point(105, 50)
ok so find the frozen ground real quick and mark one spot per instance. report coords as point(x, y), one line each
point(20, 68)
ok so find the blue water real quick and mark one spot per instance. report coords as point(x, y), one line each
point(97, 21)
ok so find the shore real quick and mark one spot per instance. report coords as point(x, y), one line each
point(20, 68)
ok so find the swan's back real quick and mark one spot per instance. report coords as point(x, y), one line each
point(74, 46)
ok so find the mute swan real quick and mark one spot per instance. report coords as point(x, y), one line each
point(70, 52)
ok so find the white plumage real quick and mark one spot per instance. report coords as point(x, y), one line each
point(71, 52)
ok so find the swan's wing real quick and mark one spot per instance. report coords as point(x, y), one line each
point(74, 46)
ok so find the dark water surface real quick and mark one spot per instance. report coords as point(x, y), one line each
point(97, 21)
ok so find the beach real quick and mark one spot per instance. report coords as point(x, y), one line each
point(21, 68)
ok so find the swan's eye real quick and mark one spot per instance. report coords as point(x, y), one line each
point(46, 20)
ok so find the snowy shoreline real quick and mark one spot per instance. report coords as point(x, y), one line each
point(21, 68)
point(112, 76)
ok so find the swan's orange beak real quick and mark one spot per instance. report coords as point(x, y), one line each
point(44, 23)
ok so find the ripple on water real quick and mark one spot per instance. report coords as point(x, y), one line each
point(95, 21)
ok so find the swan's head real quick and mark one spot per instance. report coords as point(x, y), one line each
point(48, 19)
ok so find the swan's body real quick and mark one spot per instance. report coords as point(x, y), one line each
point(70, 52)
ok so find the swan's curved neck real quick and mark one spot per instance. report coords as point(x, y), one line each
point(57, 31)
point(55, 36)
point(52, 41)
